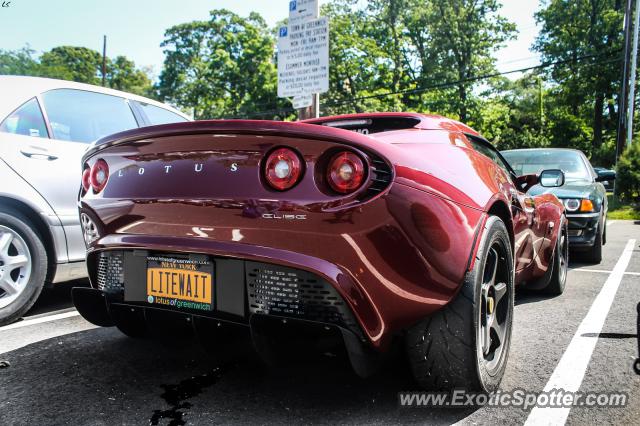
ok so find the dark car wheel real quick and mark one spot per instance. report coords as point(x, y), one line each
point(560, 263)
point(466, 343)
point(23, 266)
point(594, 255)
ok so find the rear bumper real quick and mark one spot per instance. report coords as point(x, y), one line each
point(583, 229)
point(393, 261)
point(242, 289)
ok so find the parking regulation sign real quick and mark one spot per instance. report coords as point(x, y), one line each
point(303, 58)
point(302, 101)
point(302, 10)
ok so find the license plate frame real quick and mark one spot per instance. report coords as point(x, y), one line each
point(180, 282)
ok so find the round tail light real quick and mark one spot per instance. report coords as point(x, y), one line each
point(99, 175)
point(346, 172)
point(283, 169)
point(86, 178)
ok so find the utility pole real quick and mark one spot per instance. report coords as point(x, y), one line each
point(541, 105)
point(632, 83)
point(622, 101)
point(104, 60)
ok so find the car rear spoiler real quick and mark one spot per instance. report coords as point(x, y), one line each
point(245, 127)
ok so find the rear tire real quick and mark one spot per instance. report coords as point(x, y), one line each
point(23, 265)
point(458, 346)
point(560, 263)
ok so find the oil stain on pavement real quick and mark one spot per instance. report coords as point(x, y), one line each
point(177, 395)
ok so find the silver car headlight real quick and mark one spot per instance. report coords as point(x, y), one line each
point(572, 204)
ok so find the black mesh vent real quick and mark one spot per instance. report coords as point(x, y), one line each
point(277, 290)
point(111, 272)
point(381, 176)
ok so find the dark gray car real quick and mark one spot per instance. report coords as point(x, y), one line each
point(583, 194)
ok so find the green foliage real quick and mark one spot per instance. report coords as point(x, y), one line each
point(584, 91)
point(77, 64)
point(222, 67)
point(392, 55)
point(512, 117)
point(72, 63)
point(18, 62)
point(122, 74)
point(403, 45)
point(568, 130)
point(628, 174)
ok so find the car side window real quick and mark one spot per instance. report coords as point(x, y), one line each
point(83, 116)
point(157, 115)
point(26, 120)
point(486, 149)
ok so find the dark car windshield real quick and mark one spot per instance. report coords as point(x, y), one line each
point(534, 161)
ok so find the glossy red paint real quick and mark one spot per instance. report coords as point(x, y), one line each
point(395, 253)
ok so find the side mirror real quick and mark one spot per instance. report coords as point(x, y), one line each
point(606, 175)
point(551, 178)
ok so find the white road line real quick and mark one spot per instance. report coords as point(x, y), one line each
point(570, 371)
point(611, 222)
point(602, 271)
point(40, 320)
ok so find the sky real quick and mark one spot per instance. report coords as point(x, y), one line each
point(135, 28)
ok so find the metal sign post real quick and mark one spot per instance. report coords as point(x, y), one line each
point(632, 83)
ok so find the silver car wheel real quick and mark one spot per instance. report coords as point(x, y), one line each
point(15, 265)
point(89, 229)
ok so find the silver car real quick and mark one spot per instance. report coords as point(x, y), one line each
point(45, 127)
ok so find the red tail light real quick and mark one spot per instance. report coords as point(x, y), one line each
point(99, 175)
point(86, 178)
point(346, 172)
point(283, 169)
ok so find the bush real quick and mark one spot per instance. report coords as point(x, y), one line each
point(605, 155)
point(628, 174)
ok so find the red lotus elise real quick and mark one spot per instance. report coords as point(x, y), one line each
point(380, 228)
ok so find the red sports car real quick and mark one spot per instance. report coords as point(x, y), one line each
point(381, 228)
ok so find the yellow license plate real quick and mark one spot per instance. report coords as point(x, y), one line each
point(179, 283)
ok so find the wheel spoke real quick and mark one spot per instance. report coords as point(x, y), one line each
point(5, 241)
point(486, 343)
point(8, 286)
point(491, 268)
point(500, 290)
point(498, 330)
point(17, 262)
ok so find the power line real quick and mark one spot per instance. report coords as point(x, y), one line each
point(422, 89)
point(472, 79)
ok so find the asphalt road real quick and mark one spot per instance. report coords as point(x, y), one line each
point(66, 371)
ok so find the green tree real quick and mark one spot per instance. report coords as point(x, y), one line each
point(361, 68)
point(18, 62)
point(72, 63)
point(77, 64)
point(221, 67)
point(585, 89)
point(467, 33)
point(511, 115)
point(399, 46)
point(122, 74)
point(628, 174)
